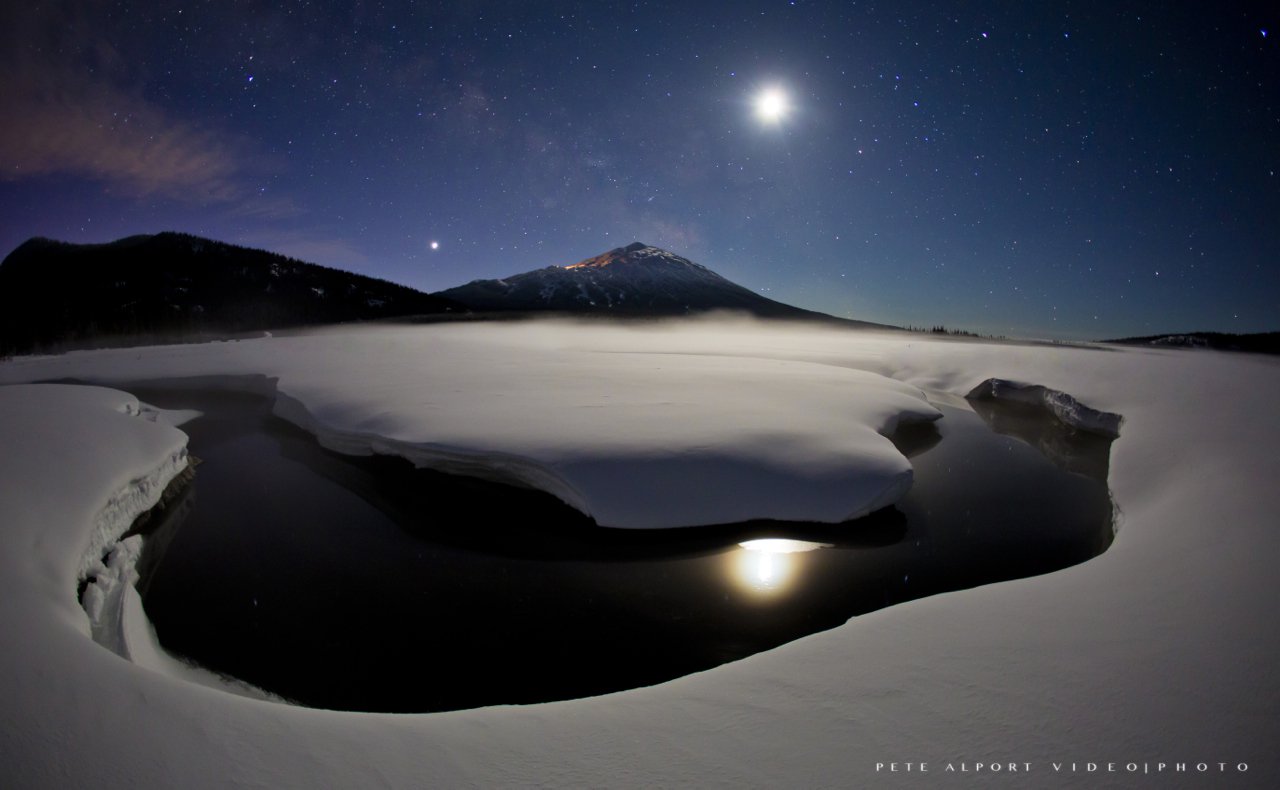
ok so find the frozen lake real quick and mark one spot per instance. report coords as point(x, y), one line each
point(1180, 601)
point(365, 584)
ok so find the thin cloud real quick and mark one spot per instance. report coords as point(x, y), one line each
point(73, 109)
point(267, 207)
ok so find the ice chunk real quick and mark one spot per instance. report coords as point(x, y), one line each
point(1067, 409)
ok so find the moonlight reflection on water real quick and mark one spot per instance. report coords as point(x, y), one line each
point(768, 566)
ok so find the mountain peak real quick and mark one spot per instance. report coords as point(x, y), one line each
point(629, 253)
point(636, 280)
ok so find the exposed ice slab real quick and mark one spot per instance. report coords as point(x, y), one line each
point(1067, 409)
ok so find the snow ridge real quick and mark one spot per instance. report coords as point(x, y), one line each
point(110, 564)
point(104, 597)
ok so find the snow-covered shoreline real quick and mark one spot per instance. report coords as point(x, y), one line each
point(1160, 650)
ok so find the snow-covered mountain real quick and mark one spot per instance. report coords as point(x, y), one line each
point(634, 280)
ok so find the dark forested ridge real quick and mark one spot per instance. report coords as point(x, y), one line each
point(55, 295)
point(1256, 343)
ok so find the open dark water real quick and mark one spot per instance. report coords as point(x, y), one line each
point(365, 584)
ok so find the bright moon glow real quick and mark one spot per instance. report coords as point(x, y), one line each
point(766, 566)
point(435, 245)
point(764, 571)
point(771, 105)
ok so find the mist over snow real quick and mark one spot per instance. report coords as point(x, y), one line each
point(1161, 650)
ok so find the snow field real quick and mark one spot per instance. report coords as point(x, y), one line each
point(1160, 650)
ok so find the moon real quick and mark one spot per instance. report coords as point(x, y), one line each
point(435, 245)
point(771, 105)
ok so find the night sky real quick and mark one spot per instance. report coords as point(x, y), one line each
point(1061, 169)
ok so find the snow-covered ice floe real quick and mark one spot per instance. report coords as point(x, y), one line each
point(1158, 652)
point(663, 440)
